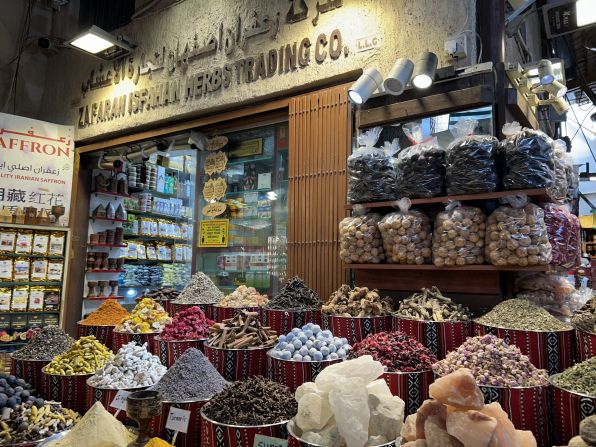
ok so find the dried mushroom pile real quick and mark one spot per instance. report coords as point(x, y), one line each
point(357, 302)
point(242, 332)
point(431, 305)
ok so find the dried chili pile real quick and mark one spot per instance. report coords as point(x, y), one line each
point(396, 351)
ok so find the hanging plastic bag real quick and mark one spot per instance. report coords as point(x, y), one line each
point(360, 239)
point(371, 170)
point(516, 234)
point(471, 161)
point(421, 167)
point(572, 178)
point(406, 235)
point(563, 234)
point(558, 191)
point(527, 158)
point(459, 236)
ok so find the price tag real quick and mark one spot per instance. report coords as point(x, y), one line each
point(178, 420)
point(119, 401)
point(267, 441)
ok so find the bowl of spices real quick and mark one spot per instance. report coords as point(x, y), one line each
point(504, 375)
point(434, 320)
point(28, 361)
point(144, 323)
point(356, 313)
point(65, 377)
point(245, 409)
point(188, 329)
point(101, 322)
point(573, 399)
point(163, 296)
point(546, 341)
point(294, 306)
point(408, 365)
point(584, 321)
point(187, 385)
point(238, 346)
point(243, 298)
point(200, 291)
point(303, 353)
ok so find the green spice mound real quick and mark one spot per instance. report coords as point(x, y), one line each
point(522, 315)
point(580, 378)
point(585, 318)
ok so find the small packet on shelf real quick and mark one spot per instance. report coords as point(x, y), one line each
point(6, 269)
point(5, 296)
point(22, 269)
point(36, 298)
point(39, 270)
point(20, 298)
point(24, 242)
point(40, 243)
point(141, 251)
point(57, 240)
point(8, 239)
point(55, 270)
point(151, 252)
point(51, 299)
point(131, 251)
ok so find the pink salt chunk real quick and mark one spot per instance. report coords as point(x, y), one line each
point(472, 428)
point(504, 435)
point(437, 436)
point(526, 438)
point(458, 389)
point(429, 407)
point(408, 430)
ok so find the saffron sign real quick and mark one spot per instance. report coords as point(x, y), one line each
point(36, 167)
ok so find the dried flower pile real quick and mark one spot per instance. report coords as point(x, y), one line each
point(190, 324)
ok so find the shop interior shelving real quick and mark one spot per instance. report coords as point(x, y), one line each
point(476, 267)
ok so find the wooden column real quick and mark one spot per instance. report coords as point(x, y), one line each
point(320, 142)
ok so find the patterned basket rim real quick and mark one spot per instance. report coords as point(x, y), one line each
point(193, 304)
point(295, 436)
point(240, 307)
point(25, 360)
point(504, 387)
point(593, 334)
point(80, 323)
point(158, 338)
point(138, 388)
point(189, 401)
point(207, 345)
point(551, 381)
point(524, 330)
point(401, 317)
point(403, 373)
point(240, 426)
point(292, 311)
point(341, 317)
point(337, 360)
point(43, 370)
point(136, 333)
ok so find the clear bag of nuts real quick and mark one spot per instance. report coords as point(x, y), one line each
point(516, 234)
point(459, 235)
point(406, 235)
point(360, 239)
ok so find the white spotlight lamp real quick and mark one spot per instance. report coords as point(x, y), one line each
point(364, 87)
point(424, 70)
point(399, 76)
point(101, 44)
point(556, 88)
point(546, 72)
point(560, 105)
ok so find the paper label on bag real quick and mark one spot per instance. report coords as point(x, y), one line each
point(267, 441)
point(119, 401)
point(178, 420)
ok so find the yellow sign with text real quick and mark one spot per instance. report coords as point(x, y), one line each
point(213, 233)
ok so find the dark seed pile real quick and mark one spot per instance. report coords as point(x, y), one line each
point(295, 295)
point(46, 345)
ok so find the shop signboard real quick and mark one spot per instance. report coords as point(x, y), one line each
point(36, 169)
point(213, 233)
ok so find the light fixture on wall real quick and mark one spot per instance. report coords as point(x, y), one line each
point(399, 76)
point(366, 84)
point(556, 89)
point(424, 70)
point(101, 44)
point(546, 72)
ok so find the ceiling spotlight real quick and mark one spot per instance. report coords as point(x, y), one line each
point(585, 13)
point(556, 89)
point(101, 44)
point(560, 105)
point(366, 84)
point(546, 72)
point(424, 70)
point(399, 76)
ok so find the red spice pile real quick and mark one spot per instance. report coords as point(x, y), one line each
point(395, 350)
point(190, 324)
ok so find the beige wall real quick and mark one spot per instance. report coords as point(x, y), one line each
point(407, 27)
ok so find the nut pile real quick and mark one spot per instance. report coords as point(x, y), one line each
point(109, 313)
point(585, 318)
point(147, 316)
point(199, 290)
point(243, 297)
point(493, 363)
point(360, 240)
point(522, 314)
point(28, 423)
point(255, 401)
point(190, 324)
point(14, 391)
point(357, 302)
point(310, 343)
point(406, 237)
point(295, 295)
point(163, 293)
point(459, 236)
point(244, 331)
point(517, 236)
point(85, 356)
point(132, 367)
point(580, 378)
point(396, 351)
point(46, 345)
point(431, 305)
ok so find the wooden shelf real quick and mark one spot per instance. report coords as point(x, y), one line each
point(110, 194)
point(481, 267)
point(103, 298)
point(105, 271)
point(30, 283)
point(25, 255)
point(107, 219)
point(106, 245)
point(538, 193)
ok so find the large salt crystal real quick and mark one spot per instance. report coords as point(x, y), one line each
point(363, 367)
point(429, 407)
point(379, 388)
point(436, 435)
point(313, 412)
point(305, 388)
point(376, 440)
point(408, 431)
point(329, 436)
point(458, 389)
point(504, 435)
point(526, 438)
point(472, 428)
point(386, 416)
point(349, 402)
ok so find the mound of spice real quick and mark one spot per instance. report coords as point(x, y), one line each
point(244, 331)
point(580, 378)
point(295, 295)
point(431, 305)
point(256, 401)
point(46, 345)
point(493, 363)
point(585, 318)
point(244, 297)
point(522, 315)
point(357, 302)
point(110, 313)
point(191, 377)
point(200, 290)
point(395, 350)
point(163, 293)
point(85, 356)
point(147, 316)
point(190, 324)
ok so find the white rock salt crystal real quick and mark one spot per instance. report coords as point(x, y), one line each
point(348, 399)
